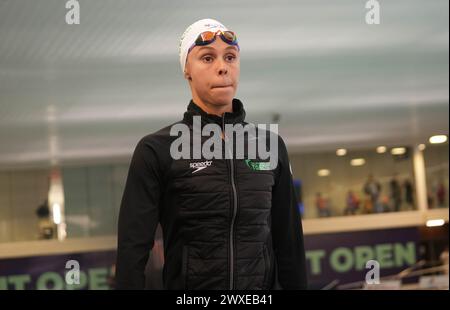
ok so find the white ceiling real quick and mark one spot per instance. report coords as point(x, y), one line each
point(71, 93)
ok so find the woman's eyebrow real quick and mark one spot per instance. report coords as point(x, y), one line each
point(233, 47)
point(206, 47)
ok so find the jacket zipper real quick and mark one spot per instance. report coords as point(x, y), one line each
point(233, 186)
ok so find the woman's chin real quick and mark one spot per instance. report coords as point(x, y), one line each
point(223, 99)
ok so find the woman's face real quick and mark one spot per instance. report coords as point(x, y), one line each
point(214, 70)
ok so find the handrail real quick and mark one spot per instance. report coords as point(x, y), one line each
point(407, 273)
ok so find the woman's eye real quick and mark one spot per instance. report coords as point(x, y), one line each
point(207, 58)
point(230, 57)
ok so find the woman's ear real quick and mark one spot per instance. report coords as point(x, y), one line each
point(187, 76)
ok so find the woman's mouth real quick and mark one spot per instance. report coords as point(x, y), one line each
point(221, 86)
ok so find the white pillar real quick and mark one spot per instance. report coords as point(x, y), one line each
point(56, 202)
point(420, 180)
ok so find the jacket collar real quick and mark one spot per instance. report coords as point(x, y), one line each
point(237, 116)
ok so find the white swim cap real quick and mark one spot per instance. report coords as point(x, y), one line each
point(192, 32)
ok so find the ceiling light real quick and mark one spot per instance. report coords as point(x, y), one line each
point(323, 172)
point(435, 222)
point(381, 149)
point(357, 161)
point(438, 139)
point(341, 152)
point(398, 151)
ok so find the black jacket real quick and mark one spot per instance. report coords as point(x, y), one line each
point(226, 226)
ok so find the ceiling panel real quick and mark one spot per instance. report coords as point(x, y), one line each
point(78, 92)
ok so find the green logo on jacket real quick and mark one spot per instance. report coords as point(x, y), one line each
point(257, 166)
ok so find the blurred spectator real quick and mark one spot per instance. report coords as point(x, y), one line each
point(409, 196)
point(367, 205)
point(430, 201)
point(352, 203)
point(440, 195)
point(384, 206)
point(45, 225)
point(373, 189)
point(111, 278)
point(444, 259)
point(396, 193)
point(322, 206)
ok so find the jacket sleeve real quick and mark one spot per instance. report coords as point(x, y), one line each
point(287, 232)
point(138, 218)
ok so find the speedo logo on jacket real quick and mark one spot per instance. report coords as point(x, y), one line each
point(200, 165)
